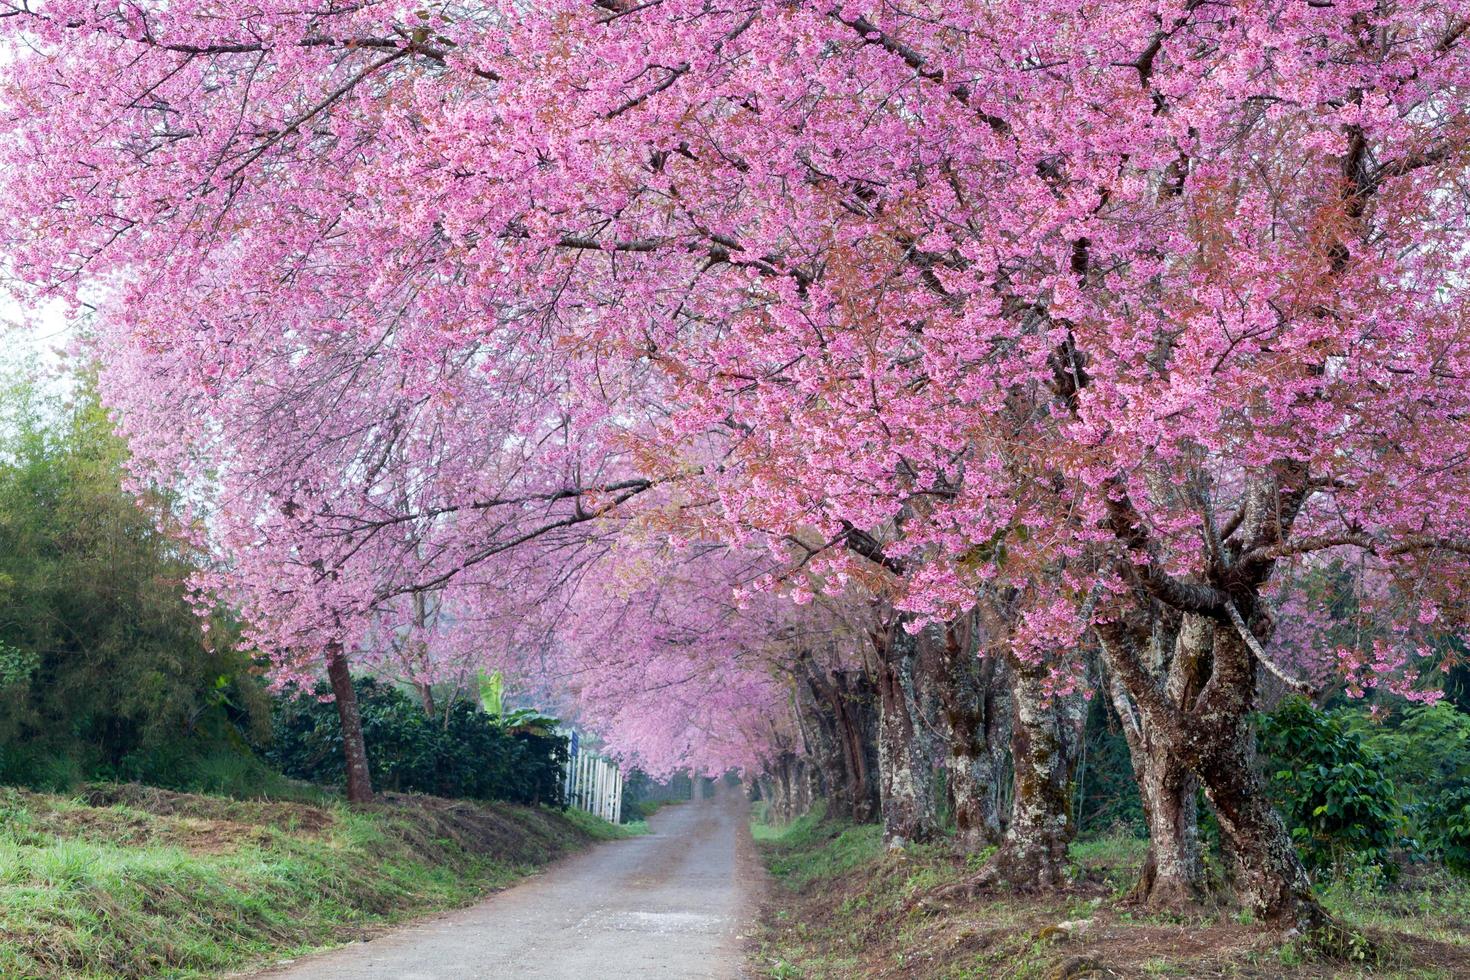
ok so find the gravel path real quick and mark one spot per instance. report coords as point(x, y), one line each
point(674, 903)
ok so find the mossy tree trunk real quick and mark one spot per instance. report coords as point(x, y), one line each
point(906, 743)
point(1046, 742)
point(976, 706)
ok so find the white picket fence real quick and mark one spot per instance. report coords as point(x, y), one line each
point(594, 784)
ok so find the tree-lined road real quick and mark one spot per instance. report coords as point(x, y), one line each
point(674, 903)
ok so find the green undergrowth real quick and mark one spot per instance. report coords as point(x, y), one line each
point(812, 848)
point(125, 881)
point(597, 828)
point(845, 907)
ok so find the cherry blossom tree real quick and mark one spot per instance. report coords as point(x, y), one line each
point(1129, 308)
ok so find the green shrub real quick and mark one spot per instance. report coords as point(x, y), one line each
point(1330, 787)
point(1426, 755)
point(463, 752)
point(1447, 829)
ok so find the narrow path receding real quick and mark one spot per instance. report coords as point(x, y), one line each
point(674, 903)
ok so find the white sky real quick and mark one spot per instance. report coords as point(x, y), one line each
point(25, 334)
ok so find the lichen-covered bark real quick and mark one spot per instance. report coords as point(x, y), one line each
point(1211, 735)
point(1270, 878)
point(1173, 873)
point(976, 708)
point(905, 742)
point(1222, 628)
point(1046, 741)
point(1268, 875)
point(787, 787)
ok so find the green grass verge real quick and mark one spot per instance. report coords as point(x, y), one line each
point(597, 828)
point(812, 849)
point(125, 882)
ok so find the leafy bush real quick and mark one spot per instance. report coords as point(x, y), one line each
point(1425, 748)
point(1330, 787)
point(1426, 755)
point(463, 752)
point(1447, 829)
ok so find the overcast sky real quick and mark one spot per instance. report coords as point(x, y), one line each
point(29, 334)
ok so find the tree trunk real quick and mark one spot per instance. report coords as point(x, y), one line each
point(975, 701)
point(354, 750)
point(816, 719)
point(857, 724)
point(785, 801)
point(1212, 735)
point(765, 785)
point(1173, 873)
point(1046, 741)
point(834, 713)
point(905, 745)
point(810, 786)
point(1270, 878)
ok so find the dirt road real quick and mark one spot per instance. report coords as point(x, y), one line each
point(674, 903)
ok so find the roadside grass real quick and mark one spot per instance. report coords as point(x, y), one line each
point(812, 848)
point(599, 829)
point(124, 881)
point(846, 908)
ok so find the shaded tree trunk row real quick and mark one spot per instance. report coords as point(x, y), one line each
point(836, 708)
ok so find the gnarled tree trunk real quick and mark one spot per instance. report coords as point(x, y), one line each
point(1212, 735)
point(1173, 873)
point(1270, 878)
